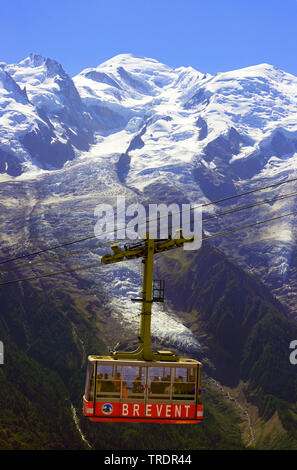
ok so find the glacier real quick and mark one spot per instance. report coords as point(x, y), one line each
point(136, 127)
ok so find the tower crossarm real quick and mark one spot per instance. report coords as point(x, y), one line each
point(139, 251)
point(146, 250)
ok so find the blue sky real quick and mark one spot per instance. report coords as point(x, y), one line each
point(209, 35)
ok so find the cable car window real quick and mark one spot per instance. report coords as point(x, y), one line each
point(108, 382)
point(184, 383)
point(133, 385)
point(159, 382)
point(89, 387)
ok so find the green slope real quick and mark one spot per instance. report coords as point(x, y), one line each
point(42, 361)
point(245, 331)
point(44, 372)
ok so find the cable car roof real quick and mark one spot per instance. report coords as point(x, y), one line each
point(131, 362)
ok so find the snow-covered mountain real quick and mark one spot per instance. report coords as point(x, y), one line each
point(43, 119)
point(193, 127)
point(166, 119)
point(133, 126)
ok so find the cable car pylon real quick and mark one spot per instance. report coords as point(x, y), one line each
point(144, 386)
point(146, 250)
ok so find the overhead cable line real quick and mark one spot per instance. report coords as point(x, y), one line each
point(243, 227)
point(209, 237)
point(250, 206)
point(91, 237)
point(47, 249)
point(50, 258)
point(34, 278)
point(212, 216)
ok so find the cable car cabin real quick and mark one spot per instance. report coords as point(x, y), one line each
point(143, 391)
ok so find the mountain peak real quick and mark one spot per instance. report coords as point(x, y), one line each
point(139, 75)
point(263, 70)
point(134, 63)
point(36, 60)
point(33, 60)
point(128, 57)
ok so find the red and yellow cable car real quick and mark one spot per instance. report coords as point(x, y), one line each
point(143, 391)
point(143, 386)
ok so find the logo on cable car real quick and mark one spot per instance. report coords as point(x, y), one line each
point(107, 409)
